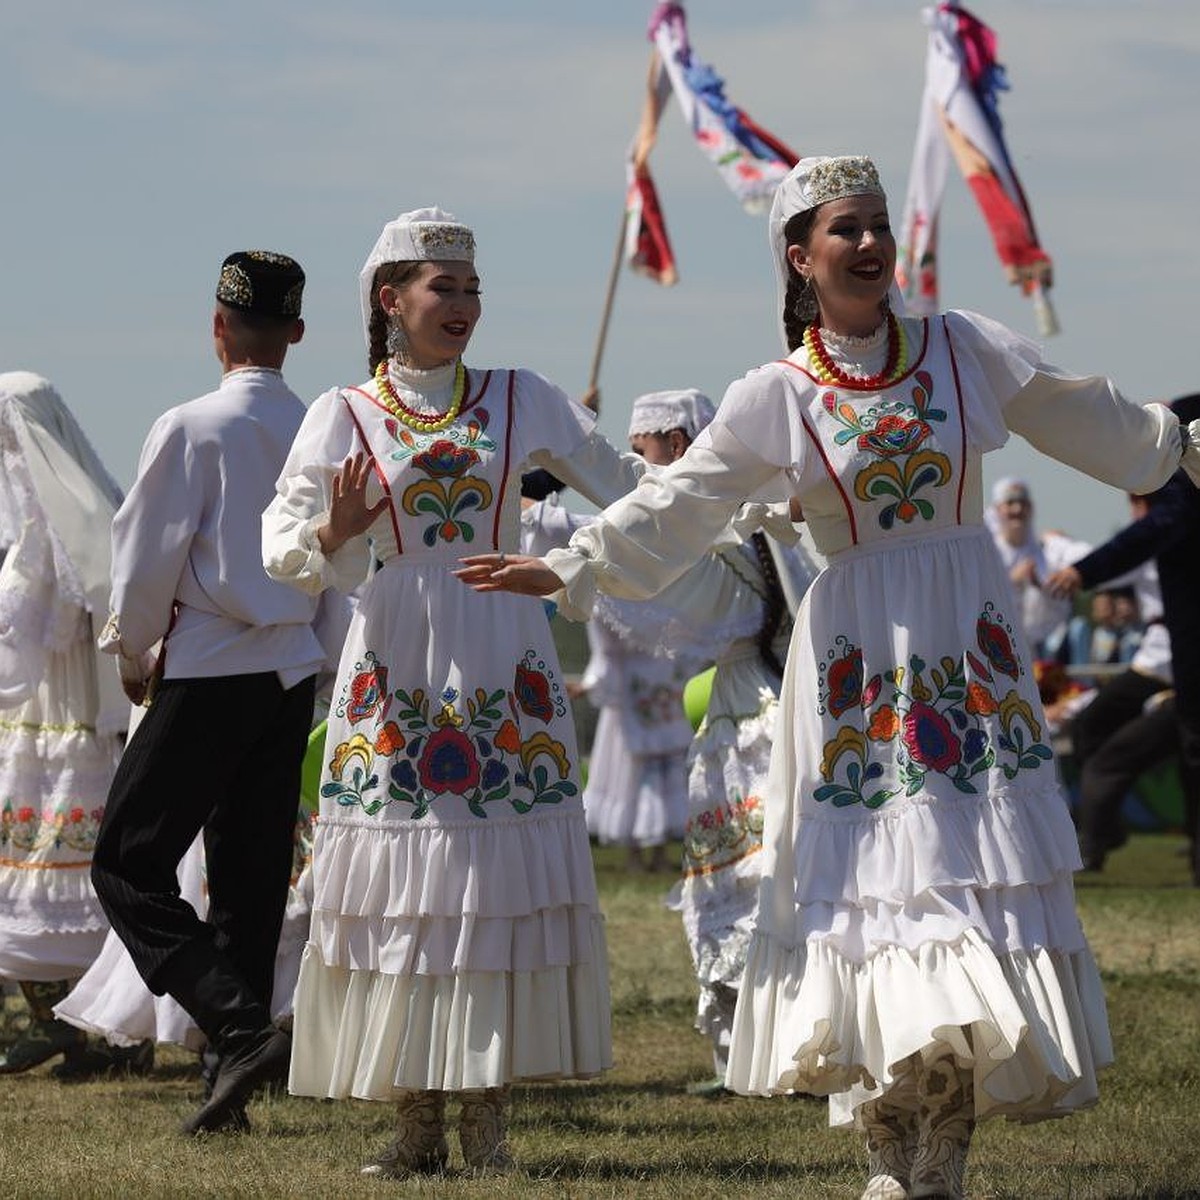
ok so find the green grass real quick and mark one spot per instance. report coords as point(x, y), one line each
point(637, 1132)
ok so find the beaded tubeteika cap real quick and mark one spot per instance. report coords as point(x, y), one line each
point(261, 282)
point(422, 235)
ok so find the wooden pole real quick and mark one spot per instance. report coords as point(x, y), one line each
point(613, 275)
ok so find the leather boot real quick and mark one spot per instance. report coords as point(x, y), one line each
point(238, 1026)
point(46, 1035)
point(891, 1147)
point(483, 1130)
point(947, 1120)
point(419, 1147)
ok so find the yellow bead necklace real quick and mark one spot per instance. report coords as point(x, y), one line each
point(410, 416)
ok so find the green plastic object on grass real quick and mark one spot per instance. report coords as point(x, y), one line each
point(695, 696)
point(310, 769)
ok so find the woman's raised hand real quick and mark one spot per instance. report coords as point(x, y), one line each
point(349, 513)
point(508, 573)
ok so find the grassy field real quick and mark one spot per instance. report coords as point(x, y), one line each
point(637, 1132)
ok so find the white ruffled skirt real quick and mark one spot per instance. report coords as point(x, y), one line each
point(718, 895)
point(434, 963)
point(456, 941)
point(917, 892)
point(54, 778)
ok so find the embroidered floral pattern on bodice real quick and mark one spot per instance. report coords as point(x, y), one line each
point(957, 719)
point(449, 493)
point(892, 433)
point(478, 746)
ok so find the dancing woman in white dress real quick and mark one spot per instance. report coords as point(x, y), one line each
point(456, 942)
point(917, 955)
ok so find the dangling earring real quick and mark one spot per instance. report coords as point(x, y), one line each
point(805, 305)
point(397, 340)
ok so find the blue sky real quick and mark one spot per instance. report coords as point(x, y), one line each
point(144, 141)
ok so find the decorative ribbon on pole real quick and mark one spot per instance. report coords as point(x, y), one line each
point(749, 159)
point(960, 119)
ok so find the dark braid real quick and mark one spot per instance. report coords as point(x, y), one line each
point(775, 601)
point(397, 274)
point(793, 326)
point(795, 233)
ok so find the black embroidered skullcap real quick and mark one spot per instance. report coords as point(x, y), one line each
point(262, 282)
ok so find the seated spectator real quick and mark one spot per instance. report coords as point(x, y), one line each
point(1109, 634)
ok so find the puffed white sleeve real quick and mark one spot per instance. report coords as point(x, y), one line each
point(644, 541)
point(291, 552)
point(1085, 422)
point(559, 435)
point(1080, 420)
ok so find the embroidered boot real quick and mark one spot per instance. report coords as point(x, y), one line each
point(483, 1130)
point(46, 1035)
point(947, 1120)
point(419, 1147)
point(891, 1146)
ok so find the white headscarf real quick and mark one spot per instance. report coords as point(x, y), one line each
point(812, 182)
point(53, 475)
point(679, 408)
point(422, 235)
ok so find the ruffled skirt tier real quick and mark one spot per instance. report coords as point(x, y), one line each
point(54, 778)
point(432, 963)
point(718, 894)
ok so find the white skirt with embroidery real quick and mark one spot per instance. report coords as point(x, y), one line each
point(633, 799)
point(718, 895)
point(456, 941)
point(918, 852)
point(54, 778)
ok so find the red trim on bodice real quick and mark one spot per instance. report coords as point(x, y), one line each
point(962, 421)
point(383, 483)
point(512, 376)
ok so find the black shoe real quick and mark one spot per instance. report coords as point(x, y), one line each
point(101, 1060)
point(42, 1041)
point(263, 1058)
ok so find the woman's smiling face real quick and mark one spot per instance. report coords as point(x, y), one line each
point(850, 257)
point(438, 310)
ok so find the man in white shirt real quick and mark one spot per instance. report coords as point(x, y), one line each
point(1031, 557)
point(221, 746)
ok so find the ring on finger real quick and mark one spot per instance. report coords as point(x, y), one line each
point(501, 561)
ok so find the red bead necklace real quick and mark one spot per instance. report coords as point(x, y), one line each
point(830, 372)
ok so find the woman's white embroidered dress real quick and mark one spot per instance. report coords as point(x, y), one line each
point(918, 854)
point(60, 717)
point(456, 940)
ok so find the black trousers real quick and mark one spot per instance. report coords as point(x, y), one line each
point(221, 755)
point(1141, 743)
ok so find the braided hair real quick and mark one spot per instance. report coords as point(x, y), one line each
point(397, 274)
point(795, 233)
point(776, 604)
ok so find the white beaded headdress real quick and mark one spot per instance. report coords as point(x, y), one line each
point(423, 235)
point(660, 412)
point(811, 182)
